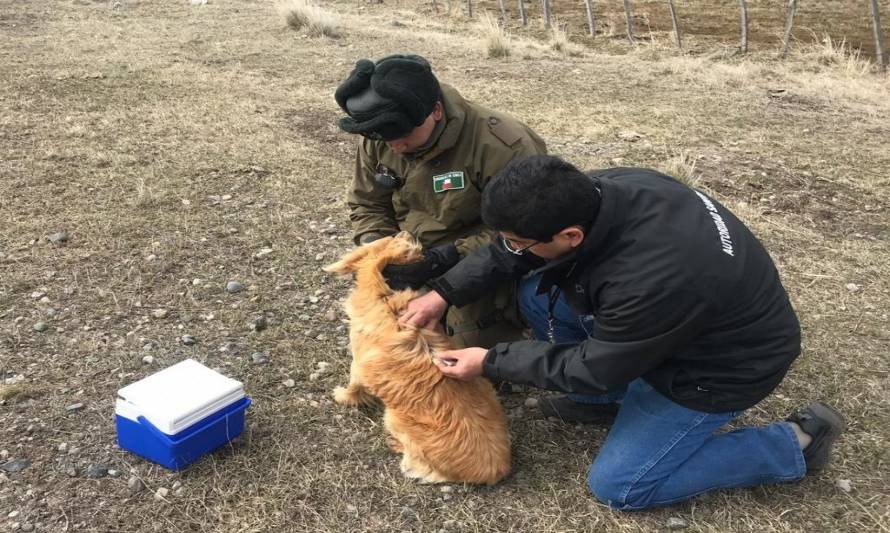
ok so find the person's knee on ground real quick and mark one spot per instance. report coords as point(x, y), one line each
point(609, 485)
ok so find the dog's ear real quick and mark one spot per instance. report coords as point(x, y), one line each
point(349, 262)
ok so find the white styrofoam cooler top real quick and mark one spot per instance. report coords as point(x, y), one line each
point(178, 396)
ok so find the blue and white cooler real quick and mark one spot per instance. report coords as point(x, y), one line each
point(178, 414)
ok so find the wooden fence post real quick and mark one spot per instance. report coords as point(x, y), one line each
point(880, 51)
point(743, 48)
point(503, 10)
point(789, 23)
point(470, 8)
point(676, 24)
point(522, 16)
point(590, 23)
point(627, 18)
point(546, 5)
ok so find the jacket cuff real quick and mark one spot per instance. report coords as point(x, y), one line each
point(489, 363)
point(442, 287)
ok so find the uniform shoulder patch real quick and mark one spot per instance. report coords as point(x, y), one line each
point(508, 132)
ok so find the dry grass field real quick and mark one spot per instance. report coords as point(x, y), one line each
point(180, 147)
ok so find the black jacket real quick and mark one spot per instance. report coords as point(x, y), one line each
point(681, 292)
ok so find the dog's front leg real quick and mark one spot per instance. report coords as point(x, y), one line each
point(354, 394)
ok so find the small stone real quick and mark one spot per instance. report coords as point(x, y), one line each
point(188, 340)
point(27, 527)
point(160, 313)
point(260, 358)
point(16, 465)
point(38, 295)
point(40, 327)
point(13, 514)
point(58, 237)
point(176, 485)
point(74, 407)
point(844, 484)
point(263, 252)
point(531, 403)
point(161, 493)
point(113, 473)
point(147, 347)
point(314, 376)
point(148, 359)
point(313, 299)
point(289, 383)
point(449, 524)
point(96, 471)
point(852, 287)
point(351, 508)
point(630, 136)
point(319, 256)
point(135, 484)
point(323, 365)
point(234, 286)
point(446, 488)
point(151, 257)
point(675, 523)
point(259, 323)
point(331, 315)
point(197, 281)
point(63, 447)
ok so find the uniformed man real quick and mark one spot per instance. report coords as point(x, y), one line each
point(425, 158)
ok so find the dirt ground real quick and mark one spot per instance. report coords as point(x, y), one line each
point(176, 144)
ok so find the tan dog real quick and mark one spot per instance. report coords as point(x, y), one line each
point(447, 430)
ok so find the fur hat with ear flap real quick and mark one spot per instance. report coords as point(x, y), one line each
point(388, 99)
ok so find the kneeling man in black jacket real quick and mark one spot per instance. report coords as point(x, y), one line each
point(647, 298)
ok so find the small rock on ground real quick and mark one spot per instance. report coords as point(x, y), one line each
point(148, 359)
point(58, 237)
point(260, 358)
point(259, 323)
point(531, 402)
point(675, 523)
point(40, 327)
point(135, 484)
point(16, 465)
point(188, 340)
point(234, 286)
point(161, 493)
point(96, 471)
point(74, 407)
point(160, 313)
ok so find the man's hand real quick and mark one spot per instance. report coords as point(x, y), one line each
point(463, 364)
point(436, 261)
point(425, 311)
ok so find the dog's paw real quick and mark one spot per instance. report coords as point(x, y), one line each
point(343, 396)
point(394, 444)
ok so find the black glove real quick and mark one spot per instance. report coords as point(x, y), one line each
point(436, 261)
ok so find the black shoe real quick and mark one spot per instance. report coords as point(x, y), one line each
point(824, 425)
point(567, 410)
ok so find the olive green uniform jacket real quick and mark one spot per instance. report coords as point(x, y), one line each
point(440, 200)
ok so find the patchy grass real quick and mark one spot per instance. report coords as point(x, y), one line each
point(495, 40)
point(308, 15)
point(173, 144)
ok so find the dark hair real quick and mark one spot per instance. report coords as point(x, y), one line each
point(538, 196)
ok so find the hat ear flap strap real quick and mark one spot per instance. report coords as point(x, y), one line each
point(392, 120)
point(358, 81)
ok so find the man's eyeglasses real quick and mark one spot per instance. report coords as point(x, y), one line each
point(516, 250)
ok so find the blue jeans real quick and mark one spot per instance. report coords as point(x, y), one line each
point(659, 452)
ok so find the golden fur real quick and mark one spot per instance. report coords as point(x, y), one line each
point(447, 430)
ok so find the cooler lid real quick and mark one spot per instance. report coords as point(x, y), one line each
point(178, 396)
